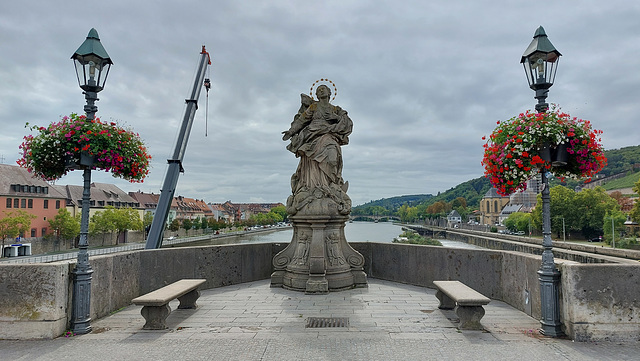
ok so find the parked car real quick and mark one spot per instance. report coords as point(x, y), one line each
point(596, 239)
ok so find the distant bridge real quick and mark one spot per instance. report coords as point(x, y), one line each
point(376, 218)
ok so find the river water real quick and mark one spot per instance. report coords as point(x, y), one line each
point(383, 232)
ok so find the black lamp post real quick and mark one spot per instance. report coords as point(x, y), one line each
point(92, 67)
point(540, 62)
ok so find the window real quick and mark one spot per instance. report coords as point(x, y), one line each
point(46, 204)
point(23, 203)
point(57, 204)
point(33, 232)
point(44, 232)
point(8, 202)
point(495, 206)
point(30, 203)
point(16, 203)
point(25, 188)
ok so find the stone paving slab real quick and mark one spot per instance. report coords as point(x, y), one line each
point(387, 321)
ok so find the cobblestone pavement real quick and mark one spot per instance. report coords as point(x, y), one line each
point(251, 321)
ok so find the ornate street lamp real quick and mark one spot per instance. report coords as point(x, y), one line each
point(92, 65)
point(540, 62)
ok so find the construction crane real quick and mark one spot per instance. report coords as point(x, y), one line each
point(154, 239)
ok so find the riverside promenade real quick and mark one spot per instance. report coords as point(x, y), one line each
point(252, 321)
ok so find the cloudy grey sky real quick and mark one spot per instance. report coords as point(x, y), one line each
point(423, 81)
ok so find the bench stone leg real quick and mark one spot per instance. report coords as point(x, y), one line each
point(188, 300)
point(470, 317)
point(155, 317)
point(446, 303)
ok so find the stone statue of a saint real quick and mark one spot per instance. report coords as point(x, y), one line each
point(319, 258)
point(317, 132)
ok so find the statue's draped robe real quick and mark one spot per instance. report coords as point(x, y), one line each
point(319, 133)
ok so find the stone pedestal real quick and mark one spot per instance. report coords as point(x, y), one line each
point(318, 259)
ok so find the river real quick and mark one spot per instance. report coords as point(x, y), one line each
point(383, 232)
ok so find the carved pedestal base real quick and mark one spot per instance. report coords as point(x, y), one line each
point(318, 259)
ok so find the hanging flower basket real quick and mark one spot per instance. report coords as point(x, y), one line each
point(520, 147)
point(76, 143)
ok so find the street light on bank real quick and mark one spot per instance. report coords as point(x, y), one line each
point(540, 62)
point(92, 65)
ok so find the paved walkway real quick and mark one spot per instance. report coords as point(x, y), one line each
point(251, 321)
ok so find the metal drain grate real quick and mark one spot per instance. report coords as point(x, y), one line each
point(322, 322)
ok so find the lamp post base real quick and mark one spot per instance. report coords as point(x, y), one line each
point(550, 324)
point(81, 318)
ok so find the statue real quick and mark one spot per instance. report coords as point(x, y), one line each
point(317, 132)
point(318, 259)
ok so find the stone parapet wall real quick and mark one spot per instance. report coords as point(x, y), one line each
point(598, 301)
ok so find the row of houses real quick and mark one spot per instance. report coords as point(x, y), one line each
point(19, 190)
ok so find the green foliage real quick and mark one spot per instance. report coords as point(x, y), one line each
point(613, 220)
point(282, 211)
point(187, 224)
point(14, 224)
point(627, 181)
point(147, 219)
point(389, 205)
point(472, 191)
point(411, 237)
point(264, 219)
point(518, 221)
point(621, 160)
point(216, 224)
point(64, 225)
point(626, 242)
point(583, 212)
point(174, 226)
point(115, 219)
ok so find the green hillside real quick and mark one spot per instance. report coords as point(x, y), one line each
point(621, 160)
point(626, 182)
point(392, 203)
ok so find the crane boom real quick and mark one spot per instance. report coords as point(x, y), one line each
point(154, 239)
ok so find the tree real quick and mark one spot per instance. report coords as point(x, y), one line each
point(635, 211)
point(582, 212)
point(595, 203)
point(14, 224)
point(204, 223)
point(147, 219)
point(113, 219)
point(613, 220)
point(282, 211)
point(518, 221)
point(64, 225)
point(187, 224)
point(101, 222)
point(174, 226)
point(126, 219)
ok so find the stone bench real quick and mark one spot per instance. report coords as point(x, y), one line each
point(466, 301)
point(156, 303)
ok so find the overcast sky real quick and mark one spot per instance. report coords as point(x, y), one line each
point(423, 81)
